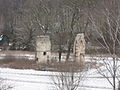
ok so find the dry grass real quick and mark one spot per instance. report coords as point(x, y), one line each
point(22, 63)
point(18, 64)
point(62, 66)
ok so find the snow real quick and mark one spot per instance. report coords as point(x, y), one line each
point(17, 56)
point(41, 80)
point(26, 79)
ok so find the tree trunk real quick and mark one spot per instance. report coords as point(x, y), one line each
point(68, 52)
point(119, 86)
point(60, 53)
point(114, 77)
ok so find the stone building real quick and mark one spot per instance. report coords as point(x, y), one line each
point(43, 48)
point(79, 48)
point(44, 54)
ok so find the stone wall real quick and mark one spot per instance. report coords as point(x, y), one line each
point(43, 48)
point(79, 48)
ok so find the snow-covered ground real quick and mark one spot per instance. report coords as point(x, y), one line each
point(41, 80)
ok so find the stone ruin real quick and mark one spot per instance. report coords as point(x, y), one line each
point(43, 48)
point(79, 48)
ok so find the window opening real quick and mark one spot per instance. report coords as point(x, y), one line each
point(44, 53)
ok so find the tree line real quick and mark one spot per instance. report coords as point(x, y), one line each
point(99, 20)
point(23, 20)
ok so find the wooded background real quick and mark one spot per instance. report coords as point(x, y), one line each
point(23, 20)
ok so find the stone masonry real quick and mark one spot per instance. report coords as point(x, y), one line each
point(79, 48)
point(43, 48)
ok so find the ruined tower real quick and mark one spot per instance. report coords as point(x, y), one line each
point(79, 48)
point(43, 48)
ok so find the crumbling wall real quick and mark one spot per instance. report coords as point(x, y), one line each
point(79, 48)
point(43, 48)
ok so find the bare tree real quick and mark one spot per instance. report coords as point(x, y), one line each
point(107, 27)
point(70, 77)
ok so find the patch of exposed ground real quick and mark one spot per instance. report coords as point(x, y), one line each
point(18, 60)
point(18, 64)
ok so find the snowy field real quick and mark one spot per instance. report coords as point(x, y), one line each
point(41, 80)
